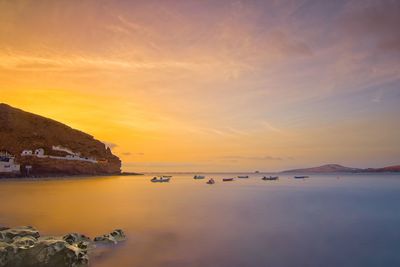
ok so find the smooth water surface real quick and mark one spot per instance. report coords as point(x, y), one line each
point(326, 220)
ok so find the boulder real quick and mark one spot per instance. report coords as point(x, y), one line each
point(23, 247)
point(74, 238)
point(8, 235)
point(81, 241)
point(114, 237)
point(7, 252)
point(24, 242)
point(55, 252)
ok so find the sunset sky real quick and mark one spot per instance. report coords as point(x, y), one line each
point(212, 85)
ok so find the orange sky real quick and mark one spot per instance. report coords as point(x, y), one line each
point(212, 86)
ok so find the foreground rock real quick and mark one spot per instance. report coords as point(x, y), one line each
point(23, 246)
point(112, 238)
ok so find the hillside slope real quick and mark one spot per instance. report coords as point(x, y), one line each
point(328, 168)
point(395, 168)
point(332, 168)
point(20, 130)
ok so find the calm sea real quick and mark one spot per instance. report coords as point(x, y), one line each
point(326, 220)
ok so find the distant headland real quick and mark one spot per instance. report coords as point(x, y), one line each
point(35, 146)
point(332, 168)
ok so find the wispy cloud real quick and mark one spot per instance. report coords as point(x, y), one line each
point(267, 125)
point(374, 21)
point(257, 158)
point(54, 62)
point(133, 153)
point(163, 164)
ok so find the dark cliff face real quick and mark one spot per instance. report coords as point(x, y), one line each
point(20, 130)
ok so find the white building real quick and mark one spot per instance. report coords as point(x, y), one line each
point(72, 157)
point(39, 152)
point(70, 154)
point(27, 153)
point(7, 163)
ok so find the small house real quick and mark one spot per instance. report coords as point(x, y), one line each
point(8, 164)
point(39, 152)
point(27, 152)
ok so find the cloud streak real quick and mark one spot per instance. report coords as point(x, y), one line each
point(257, 158)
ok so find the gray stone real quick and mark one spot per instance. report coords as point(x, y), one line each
point(9, 234)
point(24, 242)
point(23, 247)
point(74, 238)
point(114, 237)
point(7, 252)
point(119, 235)
point(81, 241)
point(53, 252)
point(105, 239)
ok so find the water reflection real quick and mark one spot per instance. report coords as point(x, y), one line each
point(322, 221)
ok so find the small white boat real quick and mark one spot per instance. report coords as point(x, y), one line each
point(161, 179)
point(199, 177)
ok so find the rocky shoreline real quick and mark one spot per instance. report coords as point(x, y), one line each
point(25, 247)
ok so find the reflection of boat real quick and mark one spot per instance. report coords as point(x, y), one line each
point(199, 177)
point(270, 178)
point(162, 179)
point(227, 179)
point(211, 181)
point(244, 176)
point(301, 177)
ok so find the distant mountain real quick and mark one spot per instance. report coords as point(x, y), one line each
point(395, 168)
point(331, 168)
point(78, 153)
point(325, 169)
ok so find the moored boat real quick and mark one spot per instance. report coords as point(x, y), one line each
point(199, 177)
point(161, 179)
point(227, 179)
point(270, 178)
point(301, 176)
point(243, 176)
point(211, 181)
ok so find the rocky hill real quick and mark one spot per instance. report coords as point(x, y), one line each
point(21, 130)
point(332, 168)
point(325, 169)
point(395, 168)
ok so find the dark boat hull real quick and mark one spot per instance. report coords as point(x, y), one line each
point(271, 178)
point(300, 177)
